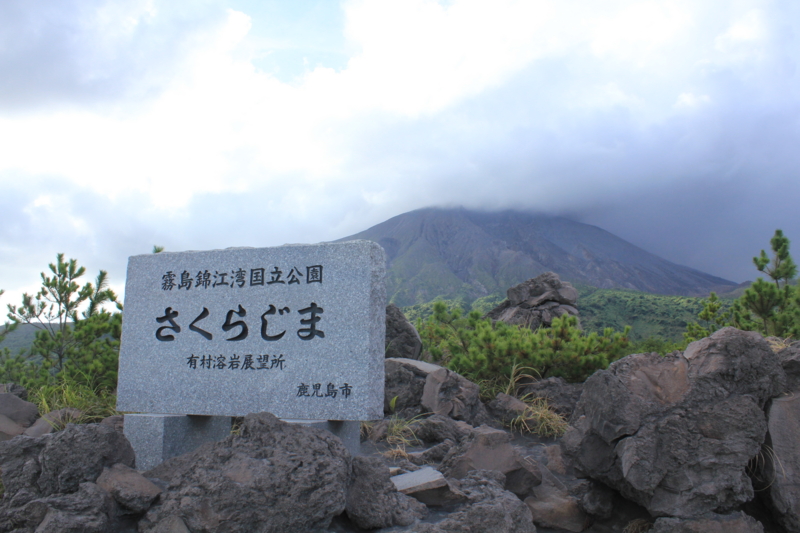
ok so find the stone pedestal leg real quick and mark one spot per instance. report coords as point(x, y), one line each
point(156, 438)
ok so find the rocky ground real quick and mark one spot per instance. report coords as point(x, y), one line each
point(699, 441)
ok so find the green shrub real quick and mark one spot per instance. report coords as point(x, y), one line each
point(771, 307)
point(482, 350)
point(78, 346)
point(655, 344)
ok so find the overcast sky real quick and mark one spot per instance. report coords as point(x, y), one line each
point(201, 125)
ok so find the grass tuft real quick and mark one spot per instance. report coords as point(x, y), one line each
point(365, 429)
point(777, 344)
point(95, 404)
point(758, 466)
point(401, 433)
point(398, 452)
point(519, 377)
point(540, 419)
point(236, 425)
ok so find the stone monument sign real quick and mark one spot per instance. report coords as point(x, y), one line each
point(296, 330)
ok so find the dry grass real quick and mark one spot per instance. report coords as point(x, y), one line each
point(640, 525)
point(236, 425)
point(398, 452)
point(777, 344)
point(365, 429)
point(520, 375)
point(540, 419)
point(401, 433)
point(765, 458)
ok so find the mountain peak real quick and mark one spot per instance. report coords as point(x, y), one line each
point(456, 252)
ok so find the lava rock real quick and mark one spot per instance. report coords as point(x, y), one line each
point(709, 523)
point(536, 302)
point(675, 433)
point(272, 477)
point(489, 508)
point(57, 463)
point(374, 502)
point(402, 339)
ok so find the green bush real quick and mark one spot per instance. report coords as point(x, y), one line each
point(483, 351)
point(81, 346)
point(770, 307)
point(658, 345)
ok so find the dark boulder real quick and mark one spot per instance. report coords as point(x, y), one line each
point(675, 433)
point(131, 490)
point(536, 302)
point(779, 462)
point(434, 454)
point(438, 428)
point(491, 449)
point(506, 408)
point(552, 506)
point(790, 361)
point(489, 508)
point(50, 480)
point(402, 339)
point(429, 388)
point(709, 523)
point(15, 408)
point(171, 524)
point(561, 396)
point(404, 383)
point(89, 509)
point(596, 499)
point(78, 454)
point(374, 502)
point(58, 463)
point(450, 394)
point(272, 477)
point(16, 390)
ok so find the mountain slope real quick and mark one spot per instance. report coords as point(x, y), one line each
point(459, 253)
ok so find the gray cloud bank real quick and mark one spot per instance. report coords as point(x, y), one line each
point(89, 52)
point(697, 162)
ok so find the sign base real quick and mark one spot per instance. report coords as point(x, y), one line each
point(156, 438)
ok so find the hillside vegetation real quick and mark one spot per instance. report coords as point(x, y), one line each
point(20, 338)
point(649, 315)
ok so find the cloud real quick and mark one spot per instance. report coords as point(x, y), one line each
point(90, 52)
point(123, 125)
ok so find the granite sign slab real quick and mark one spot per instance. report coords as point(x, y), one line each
point(296, 330)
